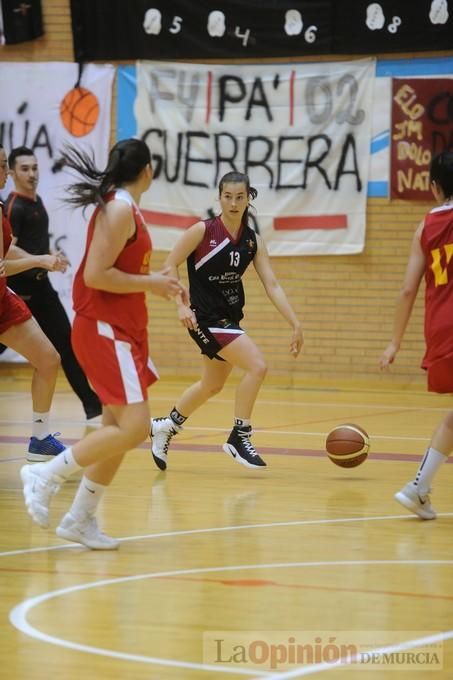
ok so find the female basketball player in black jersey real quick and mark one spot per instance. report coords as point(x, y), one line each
point(218, 251)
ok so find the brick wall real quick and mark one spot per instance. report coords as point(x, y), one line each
point(345, 302)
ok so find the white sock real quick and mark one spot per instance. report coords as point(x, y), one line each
point(62, 466)
point(241, 422)
point(432, 460)
point(40, 425)
point(87, 498)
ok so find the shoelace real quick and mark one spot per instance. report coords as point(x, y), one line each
point(91, 527)
point(245, 438)
point(47, 486)
point(92, 531)
point(56, 443)
point(172, 431)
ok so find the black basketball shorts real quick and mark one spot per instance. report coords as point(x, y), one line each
point(212, 336)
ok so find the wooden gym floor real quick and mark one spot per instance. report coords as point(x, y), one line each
point(225, 572)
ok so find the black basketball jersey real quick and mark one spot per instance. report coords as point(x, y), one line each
point(30, 225)
point(29, 222)
point(215, 270)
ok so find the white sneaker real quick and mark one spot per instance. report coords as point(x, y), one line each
point(38, 492)
point(85, 531)
point(420, 505)
point(162, 430)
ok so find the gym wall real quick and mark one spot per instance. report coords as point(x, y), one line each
point(345, 302)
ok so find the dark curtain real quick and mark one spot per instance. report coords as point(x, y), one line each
point(22, 21)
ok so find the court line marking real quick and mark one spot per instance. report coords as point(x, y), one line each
point(305, 433)
point(234, 527)
point(18, 617)
point(258, 430)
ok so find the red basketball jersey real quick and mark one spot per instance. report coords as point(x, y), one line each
point(122, 310)
point(13, 310)
point(7, 238)
point(437, 244)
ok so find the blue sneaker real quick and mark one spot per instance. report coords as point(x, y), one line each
point(40, 450)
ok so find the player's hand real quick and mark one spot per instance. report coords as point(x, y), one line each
point(187, 317)
point(388, 356)
point(182, 296)
point(165, 286)
point(297, 342)
point(49, 263)
point(62, 262)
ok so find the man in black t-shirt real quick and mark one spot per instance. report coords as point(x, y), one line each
point(30, 225)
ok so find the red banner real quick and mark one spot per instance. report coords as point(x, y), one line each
point(422, 126)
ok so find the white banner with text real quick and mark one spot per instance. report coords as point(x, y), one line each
point(301, 132)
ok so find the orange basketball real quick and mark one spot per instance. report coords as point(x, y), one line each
point(347, 445)
point(79, 111)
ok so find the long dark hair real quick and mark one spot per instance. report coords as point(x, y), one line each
point(235, 177)
point(441, 172)
point(126, 161)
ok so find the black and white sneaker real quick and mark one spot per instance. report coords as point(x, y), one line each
point(239, 447)
point(162, 430)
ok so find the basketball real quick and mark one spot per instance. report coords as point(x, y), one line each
point(347, 445)
point(79, 111)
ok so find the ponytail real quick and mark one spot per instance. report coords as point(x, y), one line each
point(125, 162)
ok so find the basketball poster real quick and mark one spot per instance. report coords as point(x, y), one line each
point(79, 111)
point(48, 107)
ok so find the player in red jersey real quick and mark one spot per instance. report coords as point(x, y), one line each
point(20, 332)
point(218, 251)
point(431, 256)
point(109, 337)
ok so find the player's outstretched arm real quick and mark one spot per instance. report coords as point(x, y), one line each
point(406, 297)
point(277, 295)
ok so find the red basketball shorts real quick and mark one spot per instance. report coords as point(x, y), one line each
point(440, 375)
point(117, 366)
point(13, 311)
